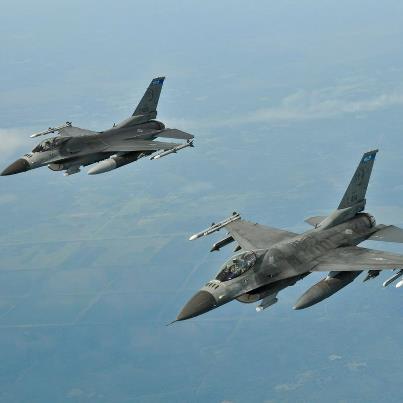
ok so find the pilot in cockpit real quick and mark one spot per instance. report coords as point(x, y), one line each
point(48, 144)
point(237, 266)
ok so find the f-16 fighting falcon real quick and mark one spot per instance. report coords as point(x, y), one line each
point(120, 145)
point(271, 259)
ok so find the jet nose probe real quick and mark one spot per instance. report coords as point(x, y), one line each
point(200, 303)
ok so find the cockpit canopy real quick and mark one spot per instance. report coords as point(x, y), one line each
point(237, 266)
point(49, 144)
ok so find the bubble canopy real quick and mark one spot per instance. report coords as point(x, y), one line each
point(236, 266)
point(49, 144)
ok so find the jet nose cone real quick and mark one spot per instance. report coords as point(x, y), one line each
point(200, 303)
point(16, 167)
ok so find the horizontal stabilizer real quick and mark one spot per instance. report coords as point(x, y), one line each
point(388, 233)
point(315, 221)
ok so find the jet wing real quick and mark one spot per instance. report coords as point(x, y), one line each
point(72, 131)
point(354, 258)
point(175, 134)
point(255, 236)
point(138, 145)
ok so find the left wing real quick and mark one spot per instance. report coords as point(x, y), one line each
point(72, 131)
point(255, 236)
point(248, 235)
point(354, 258)
point(138, 145)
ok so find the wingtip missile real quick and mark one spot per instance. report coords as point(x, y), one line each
point(390, 280)
point(216, 226)
point(50, 130)
point(173, 150)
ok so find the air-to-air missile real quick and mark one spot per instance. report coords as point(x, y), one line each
point(172, 151)
point(51, 130)
point(390, 280)
point(216, 226)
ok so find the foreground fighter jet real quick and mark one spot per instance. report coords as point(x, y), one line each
point(271, 259)
point(110, 149)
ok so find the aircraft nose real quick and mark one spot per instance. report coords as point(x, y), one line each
point(16, 167)
point(200, 303)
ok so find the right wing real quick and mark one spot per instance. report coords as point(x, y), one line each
point(354, 258)
point(175, 134)
point(138, 145)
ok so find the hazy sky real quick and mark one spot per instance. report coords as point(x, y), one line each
point(283, 98)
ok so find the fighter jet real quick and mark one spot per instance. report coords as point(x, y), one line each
point(271, 259)
point(113, 148)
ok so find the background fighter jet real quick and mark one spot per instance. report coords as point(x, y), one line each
point(110, 149)
point(271, 259)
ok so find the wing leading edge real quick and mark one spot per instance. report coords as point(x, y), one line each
point(250, 235)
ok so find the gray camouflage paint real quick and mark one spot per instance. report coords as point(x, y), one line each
point(124, 143)
point(284, 257)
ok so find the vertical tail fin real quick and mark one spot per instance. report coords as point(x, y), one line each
point(357, 188)
point(149, 102)
point(353, 200)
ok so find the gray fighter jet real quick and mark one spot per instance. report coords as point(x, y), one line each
point(271, 259)
point(120, 145)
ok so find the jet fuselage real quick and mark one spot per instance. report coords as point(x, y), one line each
point(281, 265)
point(65, 152)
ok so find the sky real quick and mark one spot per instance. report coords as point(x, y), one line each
point(283, 98)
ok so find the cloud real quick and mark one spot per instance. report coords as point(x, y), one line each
point(11, 140)
point(355, 365)
point(304, 105)
point(323, 104)
point(301, 380)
